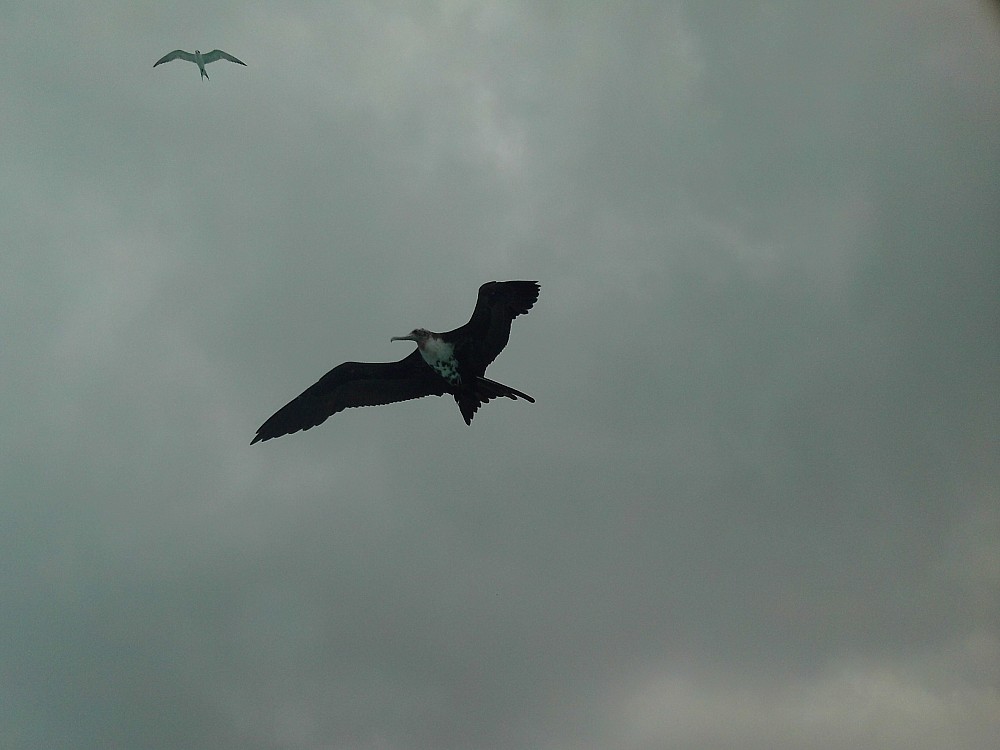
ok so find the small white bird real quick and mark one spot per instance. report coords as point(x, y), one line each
point(198, 59)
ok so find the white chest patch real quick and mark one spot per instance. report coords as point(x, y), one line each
point(440, 356)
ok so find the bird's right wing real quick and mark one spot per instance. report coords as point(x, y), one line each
point(176, 54)
point(218, 54)
point(354, 384)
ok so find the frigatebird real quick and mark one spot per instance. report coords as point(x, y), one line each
point(198, 59)
point(454, 362)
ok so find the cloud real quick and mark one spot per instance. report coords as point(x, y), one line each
point(754, 504)
point(859, 703)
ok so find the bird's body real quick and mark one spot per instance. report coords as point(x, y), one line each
point(454, 362)
point(199, 59)
point(439, 355)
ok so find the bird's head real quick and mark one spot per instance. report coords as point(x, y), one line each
point(197, 51)
point(420, 335)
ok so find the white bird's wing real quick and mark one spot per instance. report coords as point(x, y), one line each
point(218, 54)
point(175, 55)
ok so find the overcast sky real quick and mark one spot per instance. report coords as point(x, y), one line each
point(757, 502)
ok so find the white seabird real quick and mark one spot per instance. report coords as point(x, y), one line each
point(198, 59)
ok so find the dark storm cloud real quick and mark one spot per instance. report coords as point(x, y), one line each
point(755, 503)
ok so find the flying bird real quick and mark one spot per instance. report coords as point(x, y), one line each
point(198, 59)
point(454, 362)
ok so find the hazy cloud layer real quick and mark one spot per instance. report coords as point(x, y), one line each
point(756, 504)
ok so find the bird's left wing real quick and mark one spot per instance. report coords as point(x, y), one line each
point(354, 384)
point(218, 54)
point(499, 302)
point(176, 54)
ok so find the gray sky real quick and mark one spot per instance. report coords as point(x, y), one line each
point(756, 504)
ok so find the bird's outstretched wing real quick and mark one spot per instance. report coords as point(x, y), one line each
point(488, 330)
point(218, 54)
point(354, 384)
point(177, 54)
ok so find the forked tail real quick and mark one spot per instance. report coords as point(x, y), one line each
point(485, 390)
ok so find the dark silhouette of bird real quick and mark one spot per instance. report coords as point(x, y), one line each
point(454, 362)
point(198, 59)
